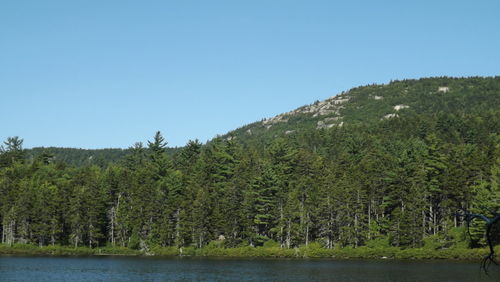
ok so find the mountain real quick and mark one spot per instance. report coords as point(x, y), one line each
point(418, 100)
point(375, 104)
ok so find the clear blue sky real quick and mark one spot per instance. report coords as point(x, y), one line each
point(97, 74)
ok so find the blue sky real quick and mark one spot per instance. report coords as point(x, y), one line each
point(100, 74)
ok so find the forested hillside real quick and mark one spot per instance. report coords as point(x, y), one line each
point(82, 157)
point(379, 164)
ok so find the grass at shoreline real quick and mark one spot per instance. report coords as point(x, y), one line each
point(27, 249)
point(258, 252)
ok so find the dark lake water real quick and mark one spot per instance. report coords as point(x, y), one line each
point(15, 268)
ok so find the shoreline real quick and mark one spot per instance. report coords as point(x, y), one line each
point(392, 253)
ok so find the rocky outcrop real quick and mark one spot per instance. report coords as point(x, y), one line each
point(401, 107)
point(329, 122)
point(443, 89)
point(330, 106)
point(275, 120)
point(388, 116)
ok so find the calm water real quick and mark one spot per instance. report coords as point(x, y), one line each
point(188, 269)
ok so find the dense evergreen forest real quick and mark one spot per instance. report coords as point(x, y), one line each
point(377, 177)
point(83, 157)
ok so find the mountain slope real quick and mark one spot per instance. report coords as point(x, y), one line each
point(375, 103)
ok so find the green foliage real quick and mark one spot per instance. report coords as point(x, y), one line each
point(216, 244)
point(434, 242)
point(134, 242)
point(372, 187)
point(379, 243)
point(271, 244)
point(311, 251)
point(457, 238)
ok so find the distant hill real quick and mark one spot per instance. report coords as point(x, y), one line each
point(81, 157)
point(373, 104)
point(428, 99)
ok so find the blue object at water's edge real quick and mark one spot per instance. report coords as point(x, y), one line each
point(13, 268)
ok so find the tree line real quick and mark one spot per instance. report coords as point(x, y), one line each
point(401, 180)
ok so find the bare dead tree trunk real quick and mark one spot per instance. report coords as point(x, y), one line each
point(52, 238)
point(113, 226)
point(331, 224)
point(10, 234)
point(369, 219)
point(434, 222)
point(307, 230)
point(281, 225)
point(431, 217)
point(288, 234)
point(423, 223)
point(193, 234)
point(90, 235)
point(177, 225)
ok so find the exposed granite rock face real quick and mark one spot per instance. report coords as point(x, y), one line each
point(275, 120)
point(443, 89)
point(388, 116)
point(401, 107)
point(328, 107)
point(329, 122)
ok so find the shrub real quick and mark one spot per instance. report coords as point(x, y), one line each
point(434, 242)
point(134, 242)
point(458, 237)
point(378, 243)
point(271, 244)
